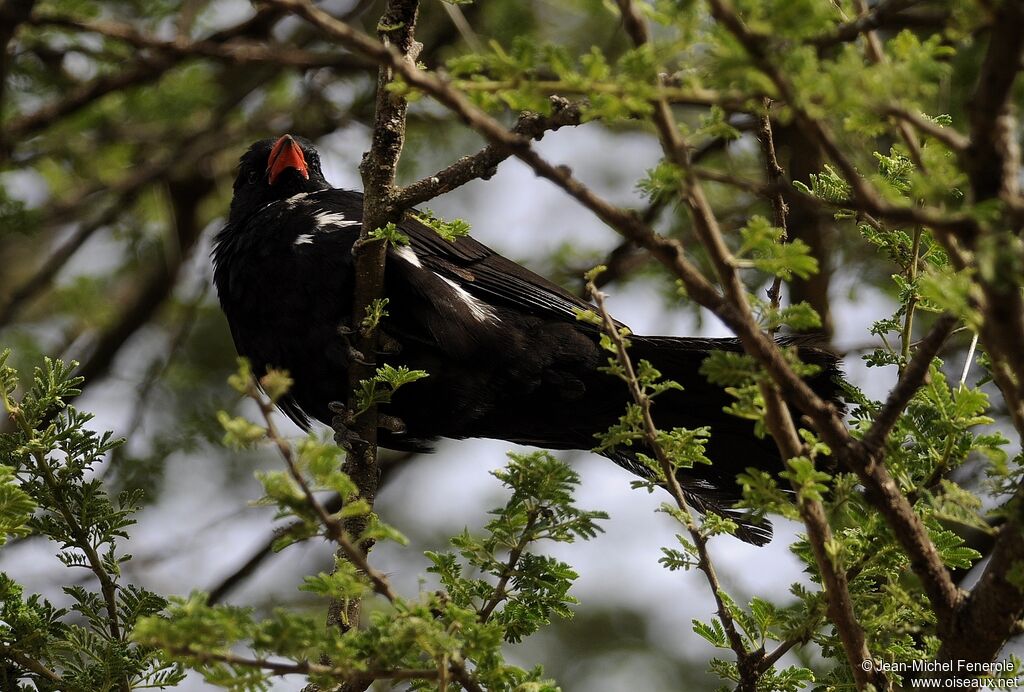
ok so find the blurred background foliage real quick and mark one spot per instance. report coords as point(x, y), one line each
point(122, 123)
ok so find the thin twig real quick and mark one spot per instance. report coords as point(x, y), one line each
point(942, 133)
point(906, 335)
point(914, 375)
point(509, 567)
point(29, 664)
point(776, 180)
point(304, 667)
point(483, 163)
point(745, 659)
point(334, 528)
point(332, 504)
point(968, 359)
point(879, 15)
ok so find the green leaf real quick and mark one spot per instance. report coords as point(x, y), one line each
point(16, 506)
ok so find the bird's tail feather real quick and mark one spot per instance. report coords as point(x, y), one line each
point(733, 446)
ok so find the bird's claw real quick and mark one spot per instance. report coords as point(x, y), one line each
point(392, 424)
point(353, 354)
point(387, 345)
point(344, 436)
point(356, 356)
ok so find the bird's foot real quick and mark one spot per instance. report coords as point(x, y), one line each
point(347, 438)
point(387, 344)
point(392, 424)
point(344, 436)
point(353, 354)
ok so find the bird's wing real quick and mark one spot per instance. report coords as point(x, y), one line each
point(488, 276)
point(465, 263)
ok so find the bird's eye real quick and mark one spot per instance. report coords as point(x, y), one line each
point(253, 177)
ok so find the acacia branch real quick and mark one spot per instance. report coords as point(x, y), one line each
point(396, 31)
point(304, 667)
point(883, 490)
point(945, 134)
point(483, 163)
point(819, 535)
point(237, 51)
point(332, 505)
point(509, 568)
point(334, 528)
point(143, 71)
point(914, 376)
point(780, 424)
point(883, 12)
point(29, 664)
point(876, 54)
point(778, 418)
point(865, 196)
point(82, 540)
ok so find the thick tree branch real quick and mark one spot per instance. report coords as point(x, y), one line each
point(985, 155)
point(882, 14)
point(995, 605)
point(396, 31)
point(29, 664)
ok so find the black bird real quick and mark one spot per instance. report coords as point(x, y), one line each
point(506, 355)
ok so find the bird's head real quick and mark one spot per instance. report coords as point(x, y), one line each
point(275, 169)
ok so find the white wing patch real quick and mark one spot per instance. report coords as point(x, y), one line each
point(326, 222)
point(406, 253)
point(332, 220)
point(294, 200)
point(480, 310)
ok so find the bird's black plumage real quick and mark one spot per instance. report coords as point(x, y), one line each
point(506, 355)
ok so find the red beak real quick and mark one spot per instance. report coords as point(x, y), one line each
point(286, 154)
